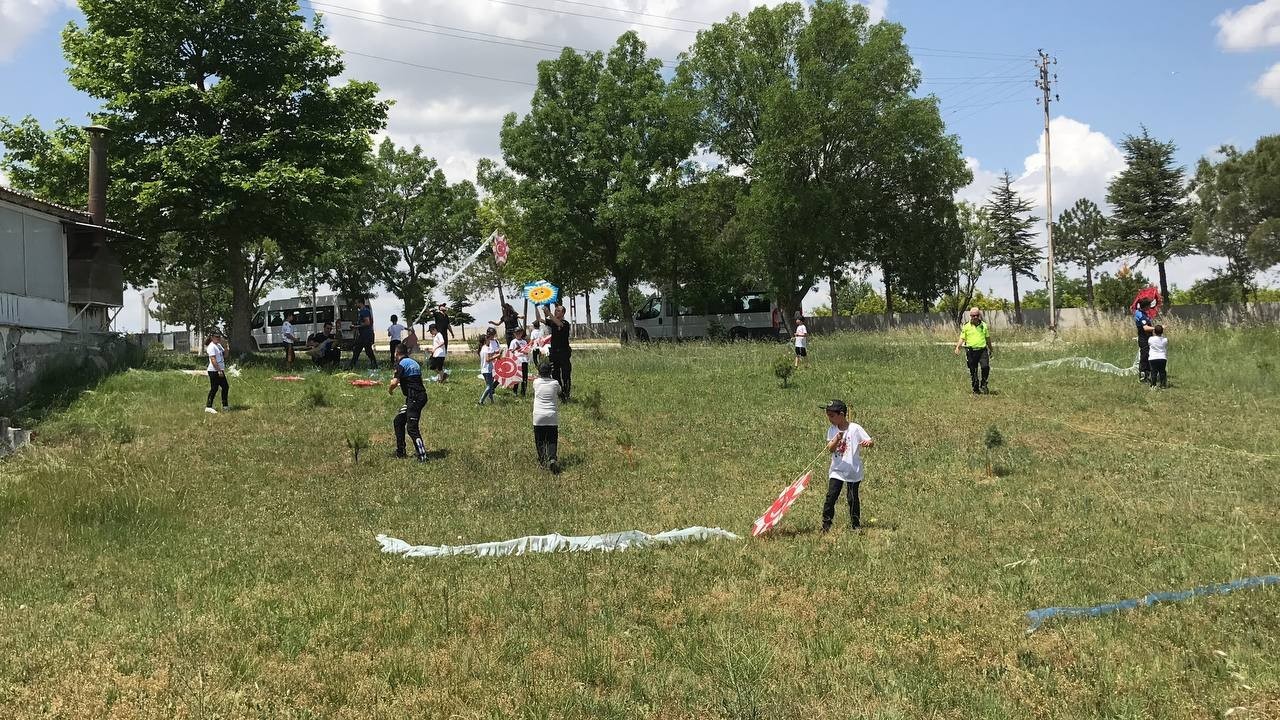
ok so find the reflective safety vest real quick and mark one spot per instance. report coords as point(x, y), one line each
point(973, 336)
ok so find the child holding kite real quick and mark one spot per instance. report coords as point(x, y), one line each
point(489, 351)
point(844, 441)
point(520, 352)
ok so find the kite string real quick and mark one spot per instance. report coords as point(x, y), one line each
point(461, 269)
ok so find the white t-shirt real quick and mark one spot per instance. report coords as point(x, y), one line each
point(846, 461)
point(520, 348)
point(287, 331)
point(1158, 347)
point(546, 402)
point(489, 348)
point(395, 331)
point(536, 336)
point(437, 346)
point(215, 353)
point(802, 336)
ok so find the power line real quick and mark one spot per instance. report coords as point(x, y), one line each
point(594, 17)
point(488, 38)
point(439, 69)
point(635, 12)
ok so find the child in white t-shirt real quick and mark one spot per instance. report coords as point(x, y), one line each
point(546, 418)
point(1158, 358)
point(489, 351)
point(844, 441)
point(534, 342)
point(438, 351)
point(519, 348)
point(217, 370)
point(802, 341)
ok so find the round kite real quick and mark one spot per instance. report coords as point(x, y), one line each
point(1149, 298)
point(364, 383)
point(542, 293)
point(506, 371)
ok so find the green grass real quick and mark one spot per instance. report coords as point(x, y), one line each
point(156, 561)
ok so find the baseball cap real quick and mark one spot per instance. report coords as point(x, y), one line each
point(836, 406)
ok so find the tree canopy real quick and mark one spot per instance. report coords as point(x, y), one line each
point(1011, 236)
point(1082, 236)
point(1150, 219)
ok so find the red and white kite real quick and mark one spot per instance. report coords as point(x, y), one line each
point(780, 506)
point(507, 371)
point(500, 249)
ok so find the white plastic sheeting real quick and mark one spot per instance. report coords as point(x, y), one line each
point(1085, 364)
point(556, 542)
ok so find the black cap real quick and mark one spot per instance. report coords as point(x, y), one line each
point(836, 406)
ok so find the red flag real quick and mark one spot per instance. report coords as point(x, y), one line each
point(507, 371)
point(500, 249)
point(780, 506)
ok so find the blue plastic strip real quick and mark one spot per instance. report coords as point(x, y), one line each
point(1037, 617)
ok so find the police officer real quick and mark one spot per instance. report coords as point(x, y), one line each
point(975, 338)
point(408, 377)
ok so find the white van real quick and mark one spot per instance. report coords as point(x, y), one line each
point(742, 315)
point(270, 316)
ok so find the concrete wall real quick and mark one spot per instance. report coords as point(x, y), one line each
point(26, 354)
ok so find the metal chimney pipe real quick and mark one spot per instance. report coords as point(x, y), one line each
point(97, 173)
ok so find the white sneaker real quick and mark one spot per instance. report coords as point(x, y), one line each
point(211, 411)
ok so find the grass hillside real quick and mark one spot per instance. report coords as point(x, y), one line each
point(159, 562)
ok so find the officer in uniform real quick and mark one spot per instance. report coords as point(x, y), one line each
point(408, 378)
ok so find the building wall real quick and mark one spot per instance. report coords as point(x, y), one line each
point(33, 254)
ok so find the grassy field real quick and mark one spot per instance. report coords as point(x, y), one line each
point(159, 562)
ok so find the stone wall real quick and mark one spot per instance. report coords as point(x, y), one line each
point(26, 355)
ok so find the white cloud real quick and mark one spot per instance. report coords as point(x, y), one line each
point(20, 19)
point(1251, 27)
point(1268, 86)
point(977, 191)
point(878, 9)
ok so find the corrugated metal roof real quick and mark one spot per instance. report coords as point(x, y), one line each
point(32, 202)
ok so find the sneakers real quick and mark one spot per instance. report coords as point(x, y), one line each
point(555, 467)
point(211, 411)
point(226, 408)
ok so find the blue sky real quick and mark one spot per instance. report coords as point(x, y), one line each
point(1169, 65)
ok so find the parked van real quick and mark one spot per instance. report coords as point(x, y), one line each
point(270, 316)
point(742, 315)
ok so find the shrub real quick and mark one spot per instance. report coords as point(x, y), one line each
point(357, 440)
point(783, 367)
point(315, 397)
point(594, 404)
point(716, 331)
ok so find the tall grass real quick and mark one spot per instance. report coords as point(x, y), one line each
point(224, 565)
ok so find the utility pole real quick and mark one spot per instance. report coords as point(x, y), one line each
point(1045, 82)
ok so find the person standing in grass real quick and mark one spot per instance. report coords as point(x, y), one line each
point(395, 331)
point(802, 340)
point(290, 337)
point(217, 370)
point(844, 441)
point(519, 348)
point(408, 377)
point(534, 341)
point(489, 351)
point(546, 418)
point(1142, 323)
point(410, 341)
point(509, 321)
point(440, 318)
point(438, 349)
point(560, 353)
point(364, 337)
point(1158, 356)
point(975, 338)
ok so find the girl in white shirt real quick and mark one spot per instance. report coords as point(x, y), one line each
point(520, 349)
point(217, 370)
point(802, 341)
point(489, 351)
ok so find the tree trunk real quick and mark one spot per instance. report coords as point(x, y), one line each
point(1088, 286)
point(586, 300)
point(888, 300)
point(241, 337)
point(622, 284)
point(1164, 285)
point(835, 305)
point(1017, 303)
point(199, 311)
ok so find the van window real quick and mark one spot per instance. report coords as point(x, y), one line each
point(754, 303)
point(348, 314)
point(256, 323)
point(650, 310)
point(323, 314)
point(276, 318)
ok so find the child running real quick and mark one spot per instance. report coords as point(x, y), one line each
point(519, 348)
point(408, 376)
point(546, 418)
point(489, 351)
point(844, 440)
point(1158, 358)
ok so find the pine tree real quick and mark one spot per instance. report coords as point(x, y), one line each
point(1081, 236)
point(1150, 219)
point(1011, 245)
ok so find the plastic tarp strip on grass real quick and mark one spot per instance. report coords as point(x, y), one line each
point(1037, 617)
point(1085, 364)
point(556, 542)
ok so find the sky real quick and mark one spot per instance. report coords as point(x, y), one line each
point(1199, 72)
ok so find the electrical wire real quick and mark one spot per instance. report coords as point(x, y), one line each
point(439, 69)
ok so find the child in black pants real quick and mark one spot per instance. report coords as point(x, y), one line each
point(844, 440)
point(546, 418)
point(1158, 358)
